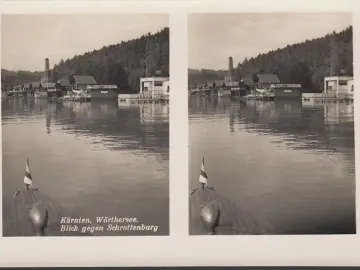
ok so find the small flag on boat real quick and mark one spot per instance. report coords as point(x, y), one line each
point(203, 176)
point(27, 177)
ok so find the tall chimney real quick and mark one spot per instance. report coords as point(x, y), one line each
point(47, 72)
point(231, 69)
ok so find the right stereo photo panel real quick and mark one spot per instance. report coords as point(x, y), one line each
point(271, 124)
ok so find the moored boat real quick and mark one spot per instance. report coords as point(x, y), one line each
point(76, 95)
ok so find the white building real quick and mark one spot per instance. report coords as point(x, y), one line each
point(153, 87)
point(339, 86)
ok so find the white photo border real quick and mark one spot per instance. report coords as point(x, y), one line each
point(180, 249)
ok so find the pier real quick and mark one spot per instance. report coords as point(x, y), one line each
point(138, 99)
point(326, 98)
point(144, 100)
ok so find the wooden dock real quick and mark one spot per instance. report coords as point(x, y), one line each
point(326, 98)
point(230, 219)
point(144, 100)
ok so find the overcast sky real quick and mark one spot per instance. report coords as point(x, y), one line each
point(215, 37)
point(26, 40)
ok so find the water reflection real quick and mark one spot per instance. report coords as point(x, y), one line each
point(97, 158)
point(278, 159)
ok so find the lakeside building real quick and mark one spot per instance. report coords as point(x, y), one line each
point(48, 89)
point(339, 86)
point(154, 87)
point(249, 82)
point(65, 85)
point(286, 90)
point(82, 82)
point(266, 80)
point(103, 91)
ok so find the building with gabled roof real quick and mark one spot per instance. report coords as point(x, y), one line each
point(48, 85)
point(64, 82)
point(82, 82)
point(35, 85)
point(248, 81)
point(265, 80)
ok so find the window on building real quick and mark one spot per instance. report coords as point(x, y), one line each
point(168, 89)
point(342, 82)
point(157, 83)
point(352, 88)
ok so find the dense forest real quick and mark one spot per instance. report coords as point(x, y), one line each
point(124, 63)
point(120, 64)
point(306, 63)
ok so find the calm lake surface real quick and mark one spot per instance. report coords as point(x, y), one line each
point(96, 159)
point(290, 164)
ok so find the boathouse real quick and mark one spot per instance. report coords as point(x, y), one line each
point(35, 86)
point(339, 86)
point(65, 84)
point(27, 87)
point(216, 84)
point(266, 80)
point(103, 91)
point(286, 90)
point(249, 82)
point(48, 89)
point(82, 82)
point(154, 87)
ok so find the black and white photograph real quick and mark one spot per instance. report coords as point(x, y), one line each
point(85, 124)
point(271, 124)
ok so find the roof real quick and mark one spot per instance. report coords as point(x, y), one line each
point(232, 84)
point(145, 79)
point(84, 80)
point(64, 82)
point(268, 78)
point(101, 87)
point(27, 85)
point(248, 81)
point(35, 84)
point(217, 83)
point(48, 85)
point(348, 78)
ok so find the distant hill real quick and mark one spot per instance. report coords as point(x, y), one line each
point(306, 63)
point(201, 76)
point(11, 78)
point(121, 64)
point(124, 63)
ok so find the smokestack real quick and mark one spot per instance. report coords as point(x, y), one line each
point(47, 72)
point(231, 69)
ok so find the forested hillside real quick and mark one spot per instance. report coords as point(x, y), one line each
point(124, 63)
point(306, 63)
point(120, 64)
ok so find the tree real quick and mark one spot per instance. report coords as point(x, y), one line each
point(118, 76)
point(300, 73)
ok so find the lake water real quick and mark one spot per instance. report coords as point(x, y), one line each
point(290, 164)
point(95, 159)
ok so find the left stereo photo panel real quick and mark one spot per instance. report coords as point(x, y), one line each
point(85, 124)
